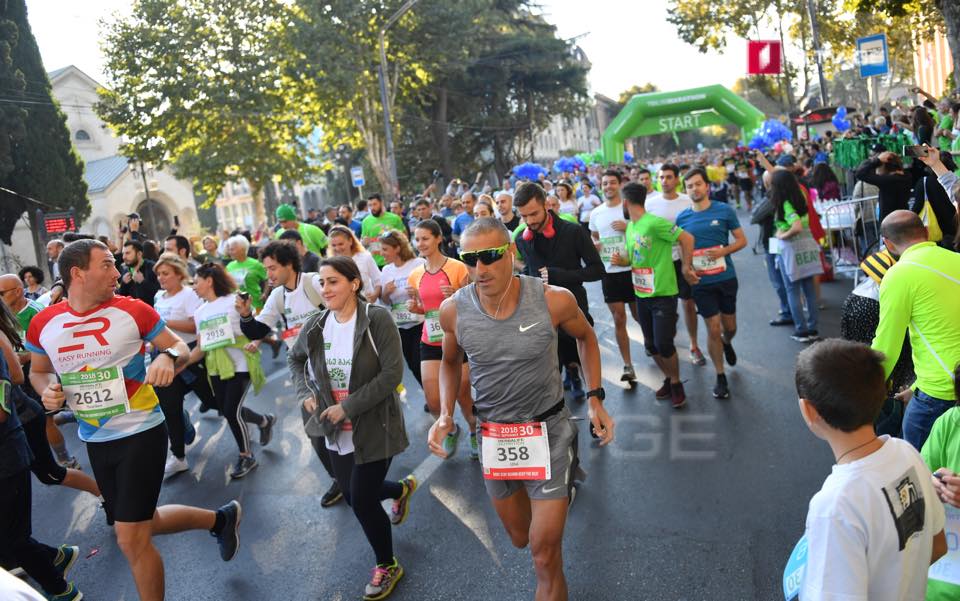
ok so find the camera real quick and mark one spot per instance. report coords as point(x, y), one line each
point(436, 174)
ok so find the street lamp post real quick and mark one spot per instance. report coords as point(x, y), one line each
point(391, 158)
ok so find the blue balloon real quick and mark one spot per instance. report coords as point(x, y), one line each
point(842, 112)
point(529, 171)
point(627, 157)
point(564, 164)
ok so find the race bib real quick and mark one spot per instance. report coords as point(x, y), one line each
point(290, 335)
point(704, 265)
point(403, 315)
point(610, 245)
point(515, 451)
point(96, 394)
point(432, 326)
point(215, 332)
point(643, 280)
point(947, 567)
point(794, 570)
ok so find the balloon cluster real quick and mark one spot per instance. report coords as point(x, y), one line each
point(569, 165)
point(590, 158)
point(627, 157)
point(770, 133)
point(840, 120)
point(529, 171)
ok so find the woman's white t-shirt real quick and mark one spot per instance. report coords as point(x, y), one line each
point(369, 271)
point(178, 307)
point(569, 207)
point(587, 204)
point(399, 297)
point(224, 306)
point(338, 351)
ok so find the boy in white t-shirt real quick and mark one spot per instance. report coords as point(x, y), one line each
point(876, 525)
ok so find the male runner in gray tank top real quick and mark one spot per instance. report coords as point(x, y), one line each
point(508, 327)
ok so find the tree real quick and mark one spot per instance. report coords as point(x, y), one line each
point(44, 165)
point(626, 95)
point(205, 85)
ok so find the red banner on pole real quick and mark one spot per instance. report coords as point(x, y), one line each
point(764, 57)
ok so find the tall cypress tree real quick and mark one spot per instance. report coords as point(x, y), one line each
point(45, 165)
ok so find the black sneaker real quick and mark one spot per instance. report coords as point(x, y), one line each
point(245, 464)
point(228, 538)
point(781, 321)
point(266, 432)
point(720, 389)
point(663, 393)
point(203, 408)
point(332, 496)
point(729, 354)
point(678, 398)
point(801, 336)
point(275, 347)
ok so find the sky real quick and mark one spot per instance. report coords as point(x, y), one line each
point(628, 42)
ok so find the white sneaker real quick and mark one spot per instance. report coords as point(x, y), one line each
point(175, 465)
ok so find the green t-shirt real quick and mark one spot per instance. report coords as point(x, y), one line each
point(650, 245)
point(249, 276)
point(790, 217)
point(946, 122)
point(371, 227)
point(313, 237)
point(25, 315)
point(942, 450)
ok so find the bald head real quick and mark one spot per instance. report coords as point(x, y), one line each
point(904, 229)
point(11, 292)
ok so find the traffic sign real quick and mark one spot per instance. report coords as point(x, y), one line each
point(763, 57)
point(356, 174)
point(873, 55)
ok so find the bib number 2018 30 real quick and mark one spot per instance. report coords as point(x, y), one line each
point(515, 451)
point(97, 393)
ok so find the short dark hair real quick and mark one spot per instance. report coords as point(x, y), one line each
point(347, 207)
point(346, 267)
point(634, 193)
point(670, 167)
point(283, 252)
point(33, 270)
point(182, 243)
point(375, 196)
point(423, 202)
point(361, 205)
point(695, 172)
point(77, 254)
point(613, 173)
point(293, 235)
point(529, 191)
point(136, 244)
point(643, 170)
point(844, 381)
point(223, 283)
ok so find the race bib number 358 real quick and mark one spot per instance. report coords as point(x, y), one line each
point(515, 451)
point(97, 393)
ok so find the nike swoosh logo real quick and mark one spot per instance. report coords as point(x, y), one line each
point(524, 329)
point(547, 491)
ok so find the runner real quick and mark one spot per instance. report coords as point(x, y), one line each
point(668, 204)
point(608, 226)
point(232, 361)
point(96, 332)
point(711, 224)
point(587, 202)
point(746, 178)
point(650, 240)
point(505, 324)
point(351, 353)
point(176, 304)
point(374, 224)
point(312, 236)
point(296, 296)
point(344, 244)
point(428, 285)
point(401, 262)
point(247, 272)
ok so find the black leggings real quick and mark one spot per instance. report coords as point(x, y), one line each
point(171, 402)
point(319, 444)
point(410, 340)
point(44, 466)
point(364, 487)
point(229, 398)
point(17, 545)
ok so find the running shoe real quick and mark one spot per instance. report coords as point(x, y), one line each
point(275, 347)
point(71, 463)
point(782, 320)
point(697, 358)
point(678, 398)
point(18, 572)
point(401, 507)
point(729, 354)
point(801, 336)
point(384, 580)
point(720, 389)
point(474, 447)
point(266, 431)
point(65, 417)
point(67, 555)
point(426, 408)
point(629, 375)
point(71, 594)
point(332, 496)
point(175, 465)
point(450, 442)
point(189, 431)
point(663, 393)
point(203, 408)
point(244, 465)
point(228, 538)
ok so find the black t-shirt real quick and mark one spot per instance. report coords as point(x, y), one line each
point(309, 263)
point(513, 223)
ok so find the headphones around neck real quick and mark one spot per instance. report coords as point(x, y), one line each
point(547, 232)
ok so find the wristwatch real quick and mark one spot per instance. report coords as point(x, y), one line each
point(172, 353)
point(597, 392)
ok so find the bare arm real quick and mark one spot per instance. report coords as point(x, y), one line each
point(739, 242)
point(450, 370)
point(686, 258)
point(163, 369)
point(182, 325)
point(13, 362)
point(939, 547)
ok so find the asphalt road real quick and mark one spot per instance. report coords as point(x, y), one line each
point(703, 503)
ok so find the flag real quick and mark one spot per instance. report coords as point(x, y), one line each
point(764, 57)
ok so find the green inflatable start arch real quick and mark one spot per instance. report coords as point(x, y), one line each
point(665, 112)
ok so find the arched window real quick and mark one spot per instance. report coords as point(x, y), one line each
point(82, 134)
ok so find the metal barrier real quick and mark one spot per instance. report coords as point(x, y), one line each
point(852, 229)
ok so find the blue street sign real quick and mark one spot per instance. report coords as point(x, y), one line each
point(356, 174)
point(873, 55)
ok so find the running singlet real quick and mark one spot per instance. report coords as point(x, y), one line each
point(99, 356)
point(513, 361)
point(452, 273)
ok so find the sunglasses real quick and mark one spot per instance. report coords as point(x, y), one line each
point(487, 256)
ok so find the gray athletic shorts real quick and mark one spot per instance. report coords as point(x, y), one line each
point(564, 461)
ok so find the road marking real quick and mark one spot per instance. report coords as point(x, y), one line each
point(469, 514)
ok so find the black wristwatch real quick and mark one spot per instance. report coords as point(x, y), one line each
point(172, 353)
point(597, 392)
